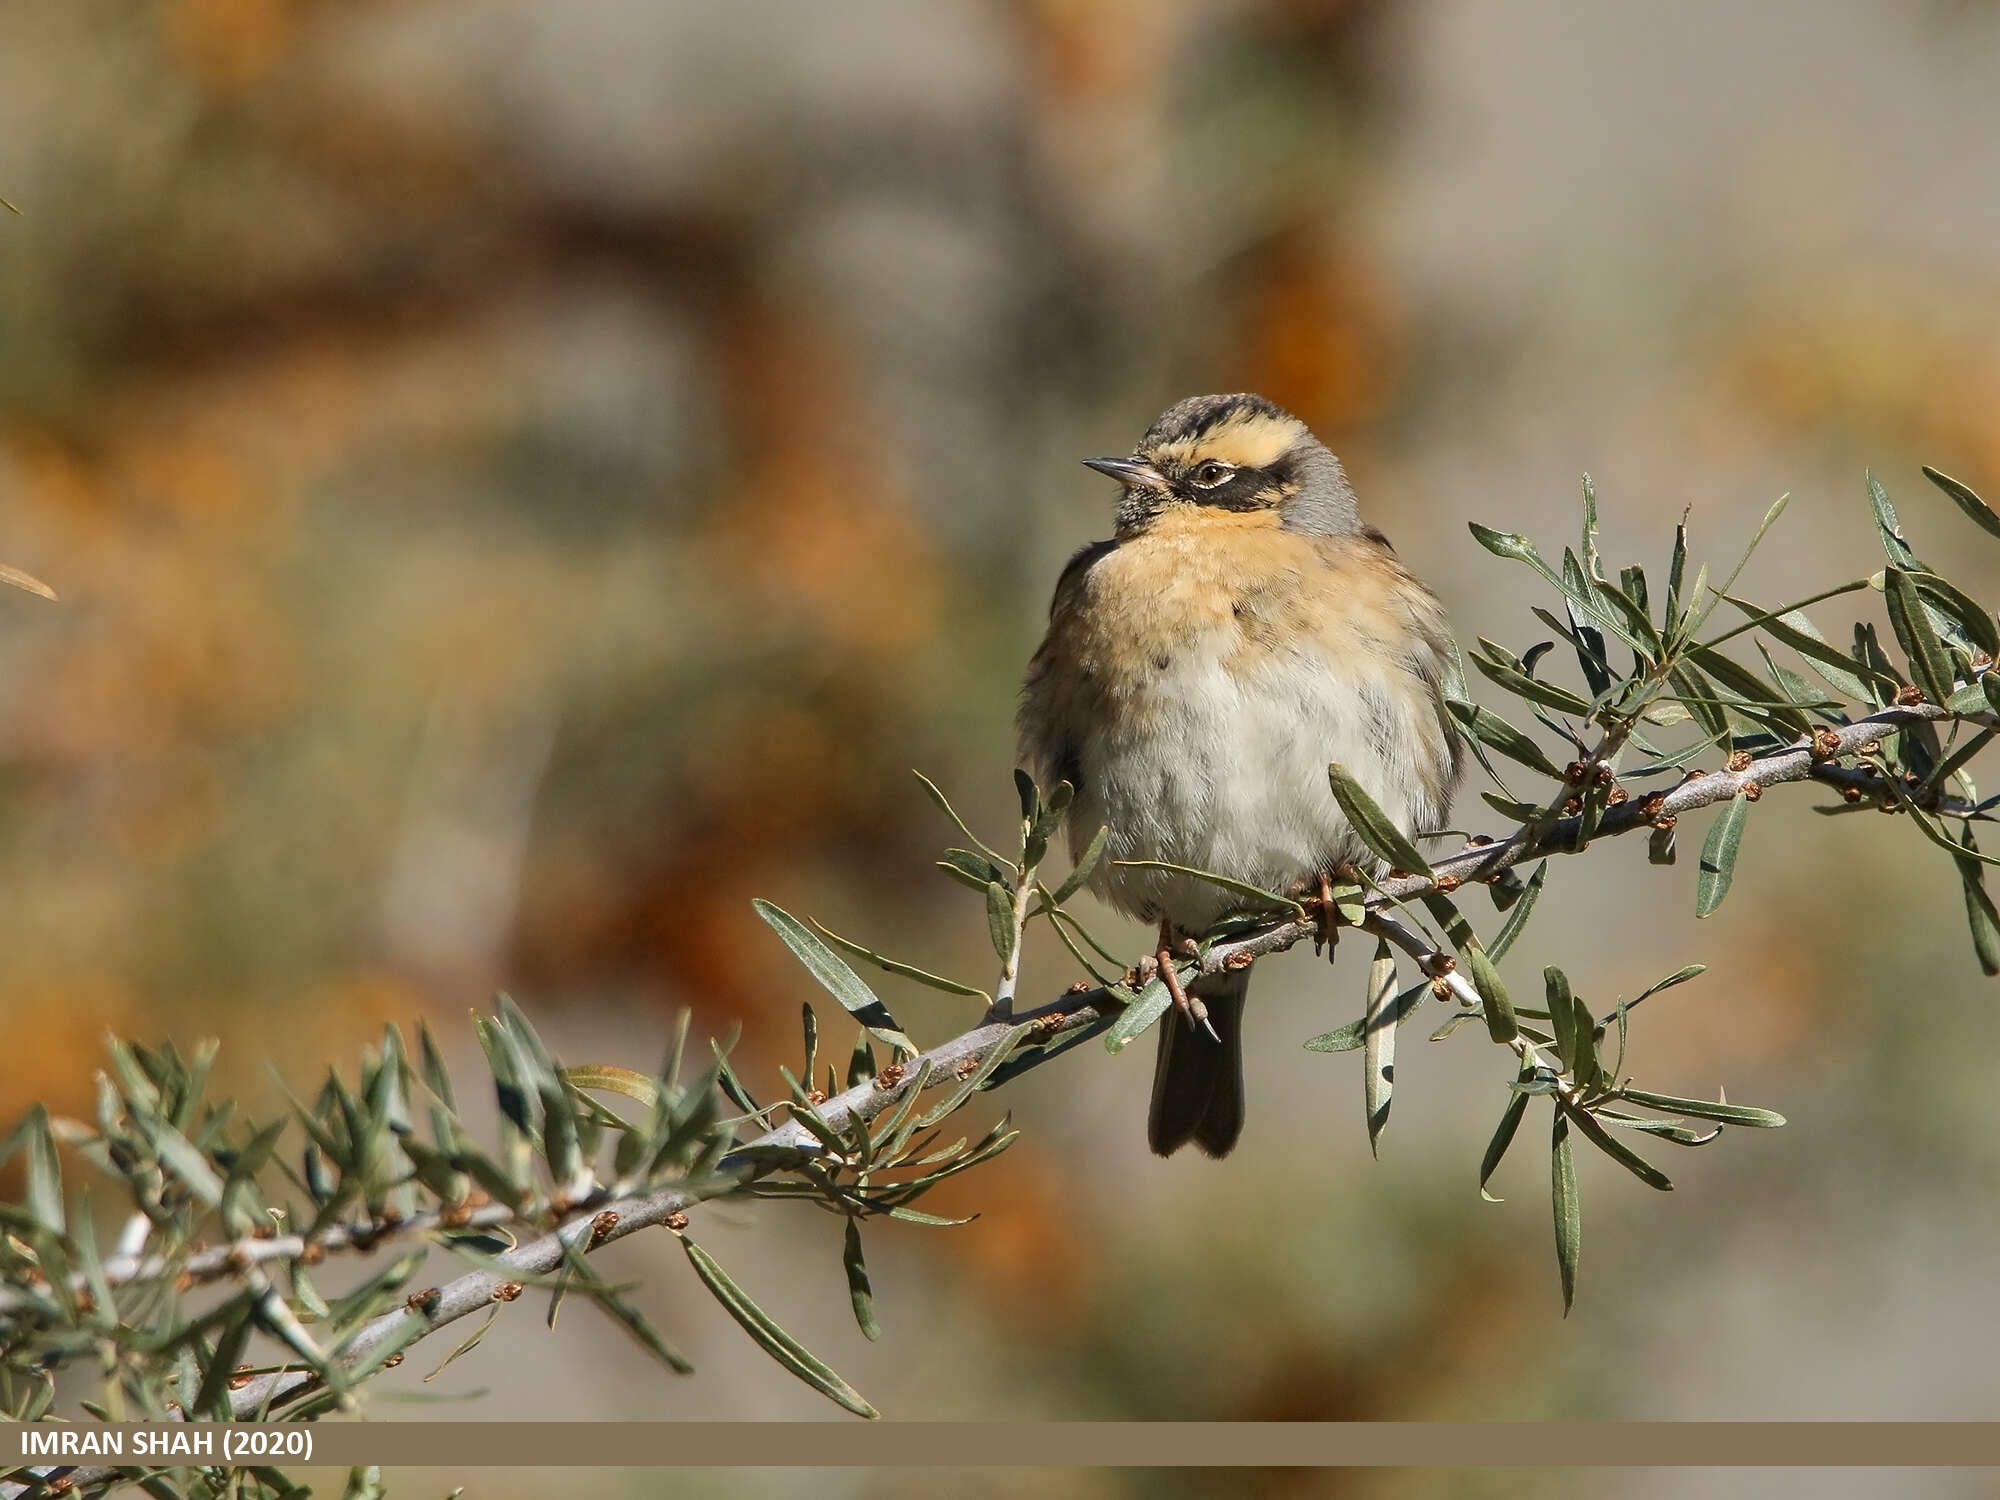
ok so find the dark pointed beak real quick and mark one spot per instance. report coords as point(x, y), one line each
point(1131, 471)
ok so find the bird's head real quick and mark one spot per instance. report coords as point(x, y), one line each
point(1236, 453)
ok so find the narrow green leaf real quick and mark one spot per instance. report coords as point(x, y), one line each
point(188, 1164)
point(1889, 528)
point(860, 1292)
point(1680, 976)
point(1794, 687)
point(944, 805)
point(1517, 918)
point(212, 1400)
point(1086, 863)
point(772, 1339)
point(1718, 856)
point(1676, 571)
point(968, 869)
point(1506, 887)
point(1638, 632)
point(1592, 657)
point(1703, 1109)
point(465, 1346)
point(1138, 1015)
point(1760, 700)
point(1973, 619)
point(1030, 794)
point(1254, 894)
point(1507, 807)
point(1633, 581)
point(611, 1079)
point(1378, 1051)
point(1702, 611)
point(1376, 828)
point(1795, 629)
point(1568, 1208)
point(1930, 666)
point(1962, 496)
point(1497, 734)
point(437, 1078)
point(45, 1194)
point(1616, 1149)
point(1349, 1037)
point(627, 1316)
point(1698, 698)
point(861, 1062)
point(1000, 920)
point(1981, 917)
point(1514, 546)
point(1500, 1022)
point(1562, 1015)
point(896, 966)
point(1660, 847)
point(839, 981)
point(1503, 1137)
point(1521, 685)
point(1588, 544)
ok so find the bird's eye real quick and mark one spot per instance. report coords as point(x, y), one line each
point(1212, 473)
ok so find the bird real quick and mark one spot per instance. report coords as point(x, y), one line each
point(1239, 631)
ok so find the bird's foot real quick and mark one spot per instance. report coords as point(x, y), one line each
point(1329, 917)
point(1188, 1005)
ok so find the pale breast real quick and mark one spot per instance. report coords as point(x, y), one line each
point(1196, 692)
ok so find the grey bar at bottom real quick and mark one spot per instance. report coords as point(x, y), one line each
point(1134, 1444)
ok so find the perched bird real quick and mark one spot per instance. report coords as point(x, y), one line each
point(1240, 631)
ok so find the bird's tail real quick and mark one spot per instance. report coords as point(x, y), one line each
point(1198, 1080)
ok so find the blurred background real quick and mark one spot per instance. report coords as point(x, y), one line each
point(524, 479)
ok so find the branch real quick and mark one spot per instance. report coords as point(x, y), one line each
point(600, 1218)
point(601, 1223)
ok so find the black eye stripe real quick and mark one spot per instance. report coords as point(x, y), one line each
point(1243, 490)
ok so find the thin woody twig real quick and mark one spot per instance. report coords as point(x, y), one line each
point(792, 1142)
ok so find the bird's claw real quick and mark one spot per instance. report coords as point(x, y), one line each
point(1188, 1005)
